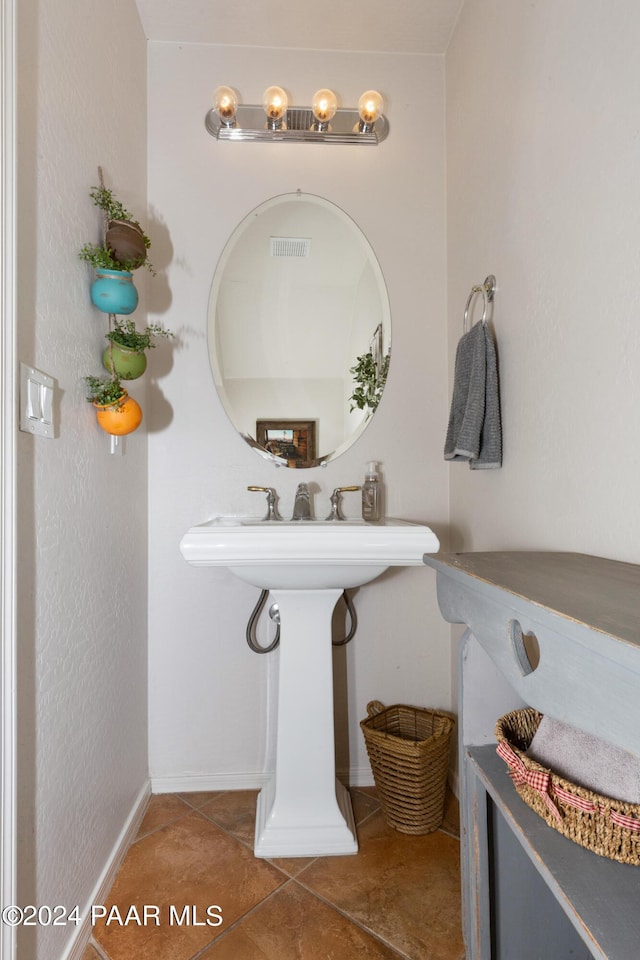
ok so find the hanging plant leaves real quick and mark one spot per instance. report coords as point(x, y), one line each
point(369, 381)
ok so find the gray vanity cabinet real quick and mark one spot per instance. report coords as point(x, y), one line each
point(528, 892)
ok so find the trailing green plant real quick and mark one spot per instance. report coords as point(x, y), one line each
point(369, 381)
point(104, 390)
point(126, 335)
point(114, 210)
point(99, 255)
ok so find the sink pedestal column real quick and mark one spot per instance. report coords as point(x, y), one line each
point(303, 811)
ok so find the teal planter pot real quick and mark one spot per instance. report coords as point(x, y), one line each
point(113, 291)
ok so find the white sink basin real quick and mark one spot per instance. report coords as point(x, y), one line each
point(307, 555)
point(303, 811)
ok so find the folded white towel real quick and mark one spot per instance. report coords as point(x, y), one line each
point(586, 760)
point(474, 431)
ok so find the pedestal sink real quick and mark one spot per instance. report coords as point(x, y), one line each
point(303, 810)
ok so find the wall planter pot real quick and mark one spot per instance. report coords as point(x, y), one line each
point(125, 240)
point(125, 363)
point(119, 418)
point(113, 291)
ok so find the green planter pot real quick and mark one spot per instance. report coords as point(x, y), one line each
point(127, 364)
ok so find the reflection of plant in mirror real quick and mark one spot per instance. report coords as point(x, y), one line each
point(369, 381)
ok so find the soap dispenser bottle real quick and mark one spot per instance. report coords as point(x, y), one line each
point(372, 494)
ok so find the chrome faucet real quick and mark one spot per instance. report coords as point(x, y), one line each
point(302, 503)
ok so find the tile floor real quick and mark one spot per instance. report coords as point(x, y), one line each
point(398, 897)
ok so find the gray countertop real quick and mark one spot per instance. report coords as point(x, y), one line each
point(601, 594)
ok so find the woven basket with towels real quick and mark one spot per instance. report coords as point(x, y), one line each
point(606, 826)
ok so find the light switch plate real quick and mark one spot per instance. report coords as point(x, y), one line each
point(36, 402)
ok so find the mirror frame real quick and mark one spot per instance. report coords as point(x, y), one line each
point(212, 321)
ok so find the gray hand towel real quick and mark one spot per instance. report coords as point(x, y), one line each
point(587, 760)
point(474, 432)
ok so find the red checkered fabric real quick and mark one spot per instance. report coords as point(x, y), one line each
point(578, 802)
point(539, 782)
point(535, 779)
point(630, 823)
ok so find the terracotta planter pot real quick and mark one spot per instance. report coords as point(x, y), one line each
point(127, 364)
point(119, 418)
point(126, 242)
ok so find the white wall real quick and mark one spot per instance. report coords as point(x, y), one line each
point(544, 191)
point(542, 136)
point(82, 523)
point(209, 695)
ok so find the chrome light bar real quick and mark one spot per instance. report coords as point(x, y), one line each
point(298, 127)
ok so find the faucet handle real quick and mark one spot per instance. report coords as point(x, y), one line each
point(272, 502)
point(336, 502)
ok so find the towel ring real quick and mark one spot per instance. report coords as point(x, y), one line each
point(487, 289)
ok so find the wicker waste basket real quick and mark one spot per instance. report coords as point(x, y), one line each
point(408, 749)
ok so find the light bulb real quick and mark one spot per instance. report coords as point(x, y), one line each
point(324, 106)
point(369, 108)
point(225, 103)
point(275, 103)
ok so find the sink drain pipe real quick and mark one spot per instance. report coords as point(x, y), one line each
point(274, 614)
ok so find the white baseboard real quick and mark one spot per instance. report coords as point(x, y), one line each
point(355, 777)
point(210, 782)
point(80, 938)
point(214, 782)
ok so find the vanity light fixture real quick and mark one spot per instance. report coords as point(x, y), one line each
point(275, 120)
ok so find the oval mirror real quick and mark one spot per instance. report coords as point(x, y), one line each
point(299, 330)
